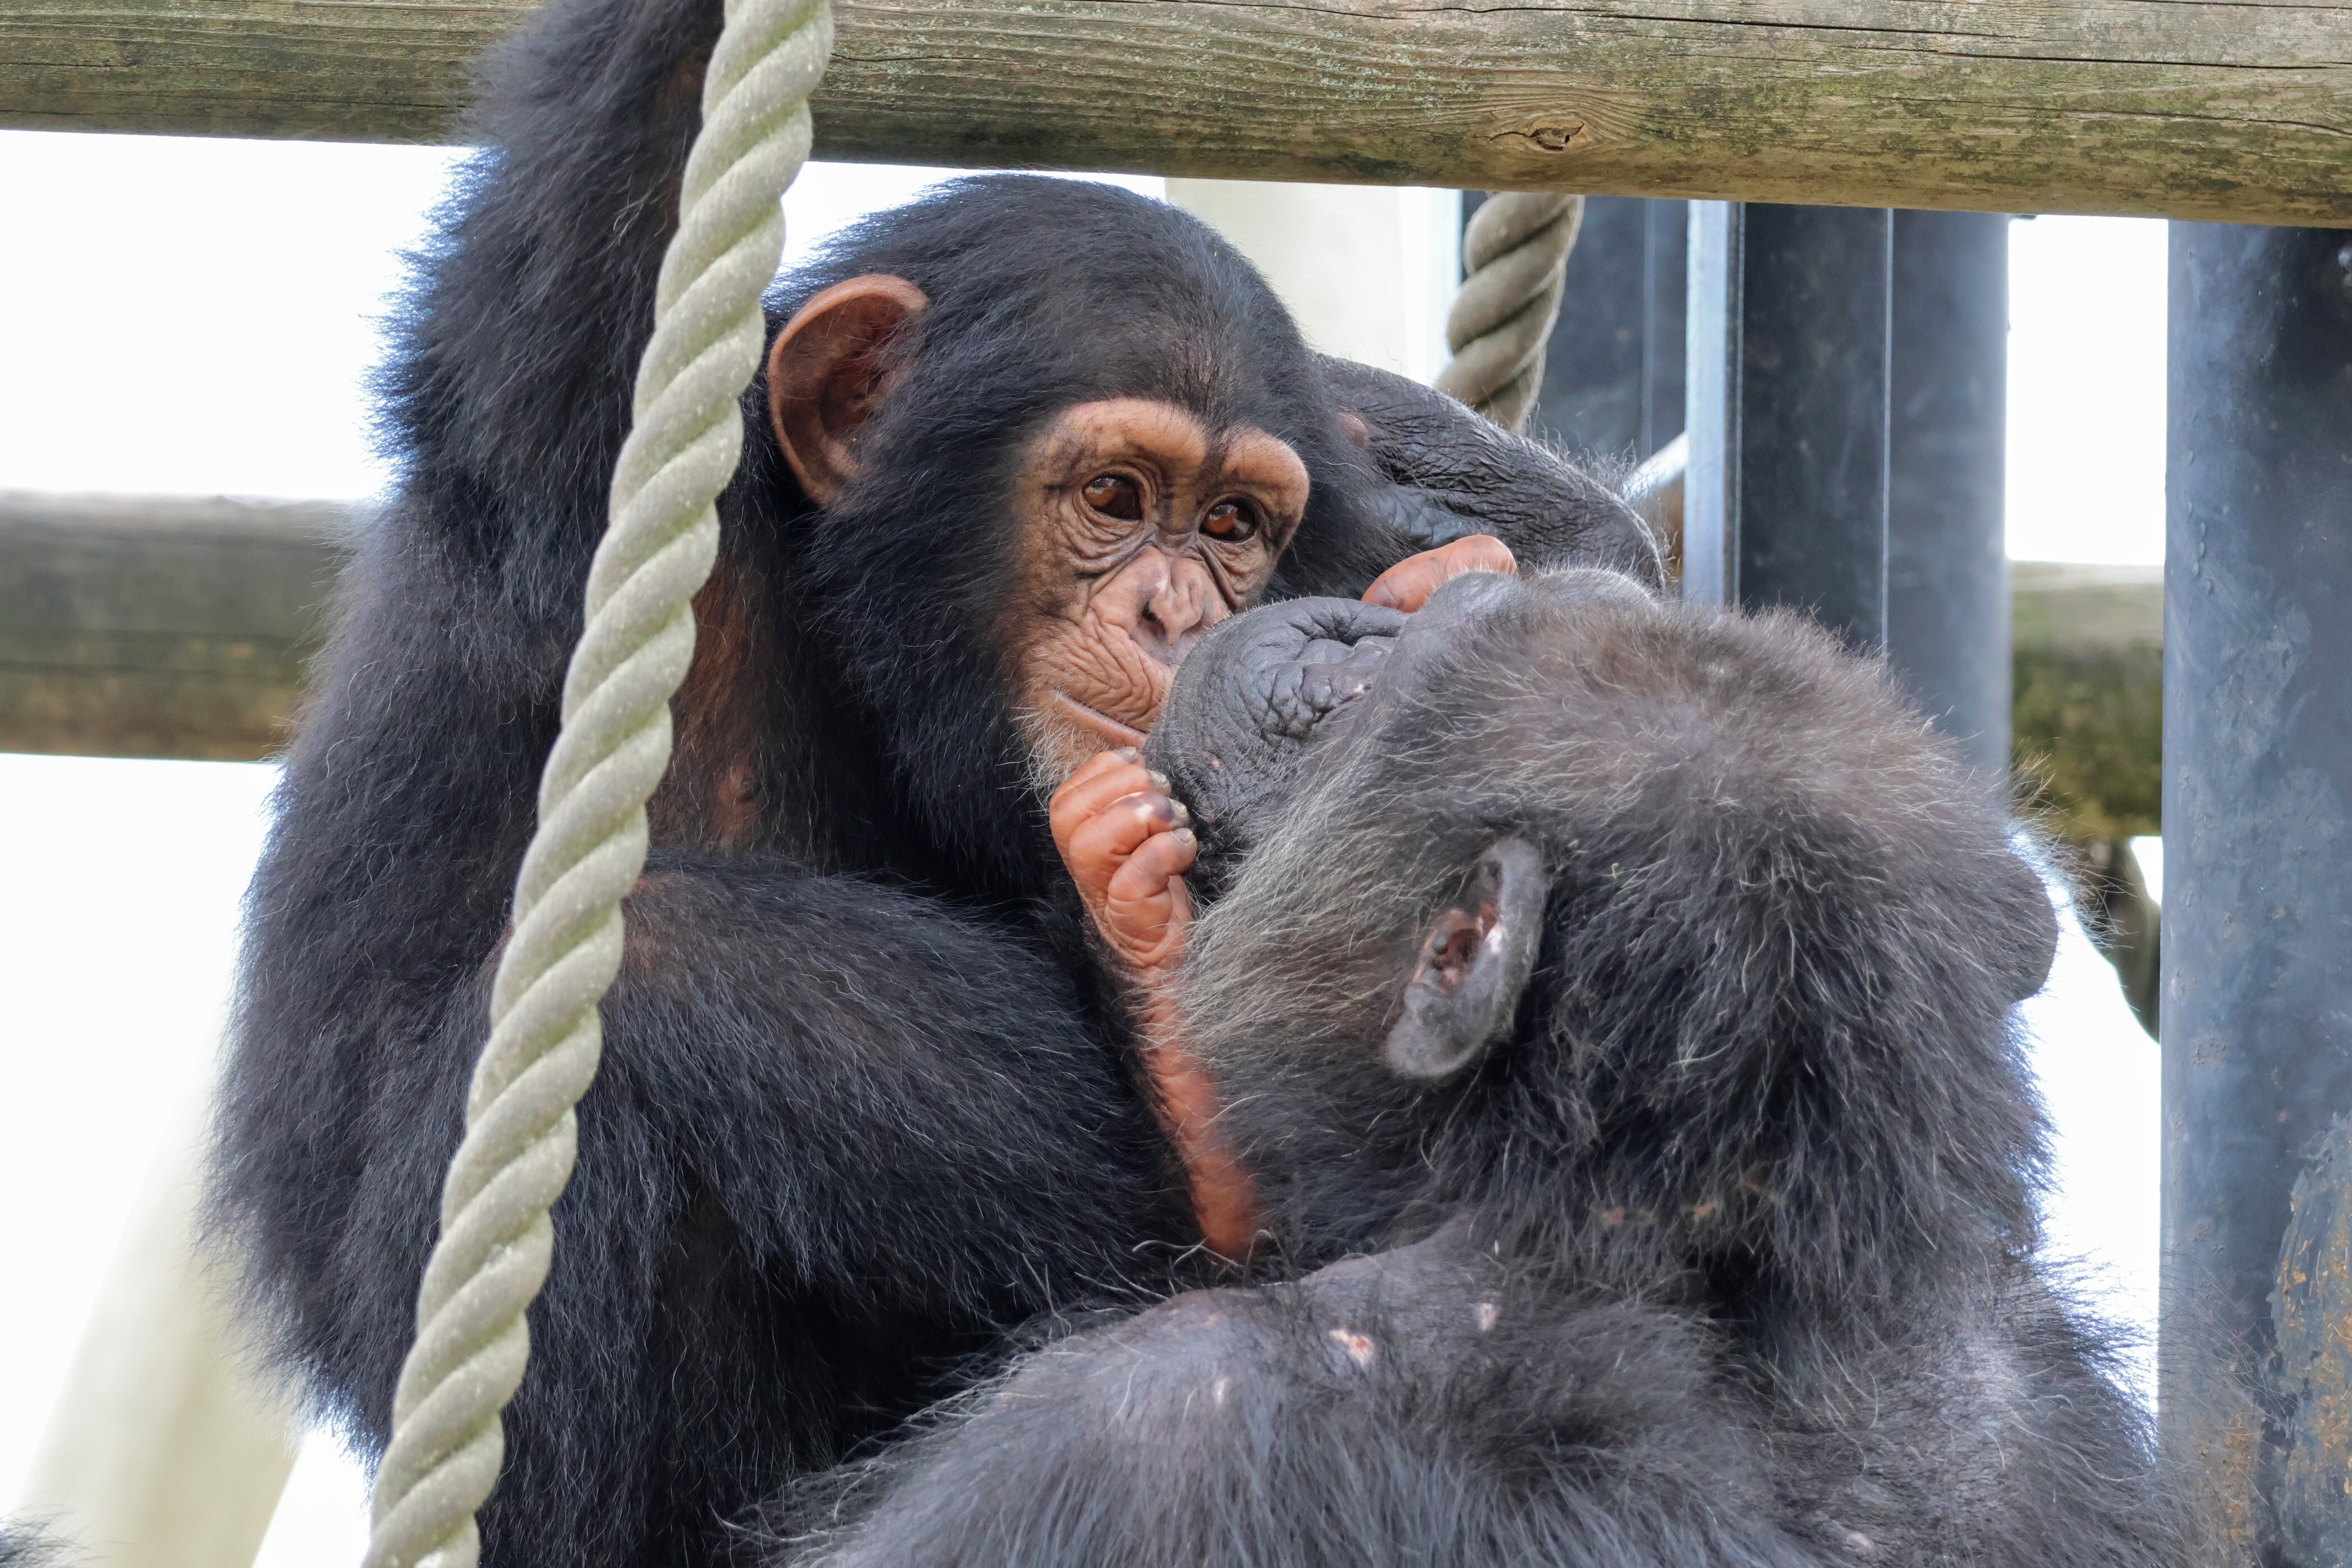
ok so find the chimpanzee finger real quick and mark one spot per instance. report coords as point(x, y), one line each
point(1102, 762)
point(1407, 585)
point(1156, 864)
point(1097, 786)
point(1095, 850)
point(1147, 912)
point(1087, 796)
point(1087, 791)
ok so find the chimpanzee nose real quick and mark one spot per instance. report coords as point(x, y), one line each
point(1164, 603)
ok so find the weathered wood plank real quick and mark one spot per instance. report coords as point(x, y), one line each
point(2237, 109)
point(159, 628)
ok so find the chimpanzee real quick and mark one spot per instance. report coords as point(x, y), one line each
point(865, 1093)
point(1609, 1002)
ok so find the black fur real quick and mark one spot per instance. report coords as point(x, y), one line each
point(1724, 1254)
point(1451, 473)
point(865, 1097)
point(22, 1546)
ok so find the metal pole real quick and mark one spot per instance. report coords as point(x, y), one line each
point(1947, 563)
point(1665, 266)
point(1786, 498)
point(2255, 1376)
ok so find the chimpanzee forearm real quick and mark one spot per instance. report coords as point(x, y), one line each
point(511, 379)
point(1421, 1405)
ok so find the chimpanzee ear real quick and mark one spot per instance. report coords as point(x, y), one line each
point(2024, 948)
point(826, 374)
point(1472, 966)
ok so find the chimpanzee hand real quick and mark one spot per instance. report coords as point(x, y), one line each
point(1127, 846)
point(1408, 584)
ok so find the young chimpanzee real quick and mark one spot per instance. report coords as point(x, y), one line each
point(864, 1096)
point(1610, 1000)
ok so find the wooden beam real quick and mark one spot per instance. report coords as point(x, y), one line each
point(131, 627)
point(2172, 107)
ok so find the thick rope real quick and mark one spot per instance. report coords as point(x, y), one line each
point(496, 1240)
point(1515, 250)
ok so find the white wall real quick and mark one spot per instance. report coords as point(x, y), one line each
point(1368, 270)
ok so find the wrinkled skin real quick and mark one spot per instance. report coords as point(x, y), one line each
point(1256, 700)
point(1144, 530)
point(1451, 473)
point(1231, 747)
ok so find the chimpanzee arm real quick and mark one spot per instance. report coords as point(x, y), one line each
point(1440, 472)
point(1414, 1406)
point(513, 363)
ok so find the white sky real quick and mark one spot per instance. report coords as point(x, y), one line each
point(186, 315)
point(2087, 390)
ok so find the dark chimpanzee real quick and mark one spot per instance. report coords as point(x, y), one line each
point(1610, 1000)
point(865, 1095)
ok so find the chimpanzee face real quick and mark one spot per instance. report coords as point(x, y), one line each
point(1269, 699)
point(1135, 523)
point(1142, 529)
point(1398, 813)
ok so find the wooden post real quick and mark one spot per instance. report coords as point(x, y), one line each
point(2164, 107)
point(159, 628)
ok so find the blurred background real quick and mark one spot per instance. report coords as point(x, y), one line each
point(205, 331)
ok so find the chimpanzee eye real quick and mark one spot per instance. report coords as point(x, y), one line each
point(1230, 521)
point(1115, 495)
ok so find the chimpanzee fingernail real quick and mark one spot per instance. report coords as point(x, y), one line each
point(1183, 813)
point(1159, 780)
point(1182, 836)
point(1128, 754)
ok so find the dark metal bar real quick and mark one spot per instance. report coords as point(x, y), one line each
point(1946, 560)
point(1786, 393)
point(2255, 1376)
point(1665, 266)
point(1612, 380)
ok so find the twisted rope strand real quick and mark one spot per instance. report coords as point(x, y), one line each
point(1516, 248)
point(495, 1242)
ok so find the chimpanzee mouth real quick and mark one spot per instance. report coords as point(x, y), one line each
point(1321, 679)
point(1252, 701)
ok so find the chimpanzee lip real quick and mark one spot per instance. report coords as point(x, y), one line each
point(1101, 723)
